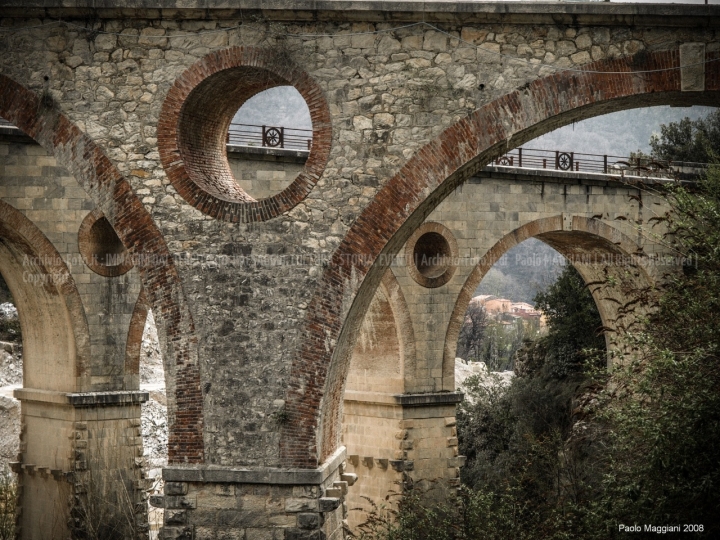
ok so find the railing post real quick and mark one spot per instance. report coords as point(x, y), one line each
point(282, 137)
point(605, 164)
point(544, 163)
point(519, 157)
point(263, 135)
point(557, 159)
point(572, 160)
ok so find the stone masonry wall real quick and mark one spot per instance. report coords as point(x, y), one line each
point(262, 178)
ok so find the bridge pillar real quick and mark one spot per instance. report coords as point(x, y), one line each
point(80, 464)
point(398, 442)
point(210, 501)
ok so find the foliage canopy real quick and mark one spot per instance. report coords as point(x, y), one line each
point(688, 140)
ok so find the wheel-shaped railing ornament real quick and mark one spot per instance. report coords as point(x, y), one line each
point(273, 137)
point(504, 160)
point(564, 161)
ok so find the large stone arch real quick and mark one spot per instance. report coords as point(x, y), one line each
point(590, 236)
point(113, 195)
point(315, 388)
point(54, 326)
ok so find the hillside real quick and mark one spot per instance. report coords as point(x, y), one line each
point(523, 271)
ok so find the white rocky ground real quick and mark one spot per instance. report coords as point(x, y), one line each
point(10, 378)
point(465, 369)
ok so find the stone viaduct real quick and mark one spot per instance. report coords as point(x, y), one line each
point(308, 323)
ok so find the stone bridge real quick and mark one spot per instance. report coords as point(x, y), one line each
point(308, 312)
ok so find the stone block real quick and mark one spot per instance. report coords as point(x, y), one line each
point(307, 520)
point(333, 492)
point(177, 533)
point(176, 488)
point(458, 461)
point(175, 517)
point(179, 502)
point(261, 534)
point(300, 534)
point(328, 504)
point(301, 505)
point(350, 478)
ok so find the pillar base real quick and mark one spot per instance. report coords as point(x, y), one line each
point(202, 501)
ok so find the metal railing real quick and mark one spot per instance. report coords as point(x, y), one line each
point(644, 166)
point(269, 136)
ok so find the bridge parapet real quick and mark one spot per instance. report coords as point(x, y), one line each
point(635, 166)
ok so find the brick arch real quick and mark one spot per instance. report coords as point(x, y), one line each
point(56, 337)
point(588, 236)
point(194, 121)
point(315, 388)
point(133, 224)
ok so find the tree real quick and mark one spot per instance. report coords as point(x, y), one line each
point(574, 323)
point(663, 410)
point(688, 140)
point(471, 334)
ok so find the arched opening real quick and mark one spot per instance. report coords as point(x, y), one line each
point(502, 314)
point(144, 369)
point(371, 413)
point(55, 356)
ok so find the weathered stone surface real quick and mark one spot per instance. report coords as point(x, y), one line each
point(256, 309)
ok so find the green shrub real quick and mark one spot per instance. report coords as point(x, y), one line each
point(8, 498)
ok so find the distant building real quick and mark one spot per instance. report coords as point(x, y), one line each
point(507, 310)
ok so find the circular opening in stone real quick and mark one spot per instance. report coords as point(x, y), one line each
point(101, 248)
point(226, 150)
point(432, 255)
point(106, 247)
point(269, 140)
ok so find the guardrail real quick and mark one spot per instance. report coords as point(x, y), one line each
point(531, 158)
point(269, 136)
point(647, 166)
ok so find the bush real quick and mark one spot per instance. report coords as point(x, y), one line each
point(8, 498)
point(9, 329)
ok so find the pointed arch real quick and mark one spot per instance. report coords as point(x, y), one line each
point(56, 338)
point(595, 238)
